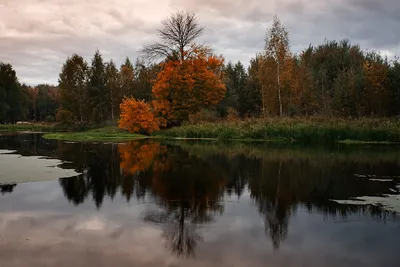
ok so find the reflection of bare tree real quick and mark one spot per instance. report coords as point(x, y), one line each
point(7, 188)
point(180, 234)
point(188, 192)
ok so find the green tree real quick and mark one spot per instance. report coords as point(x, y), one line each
point(144, 75)
point(235, 79)
point(47, 102)
point(114, 89)
point(10, 105)
point(97, 89)
point(249, 97)
point(127, 78)
point(394, 88)
point(348, 88)
point(73, 82)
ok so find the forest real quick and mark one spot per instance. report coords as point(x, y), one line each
point(177, 80)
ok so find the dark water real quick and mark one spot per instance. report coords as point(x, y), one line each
point(202, 204)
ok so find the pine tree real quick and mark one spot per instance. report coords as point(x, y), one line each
point(73, 81)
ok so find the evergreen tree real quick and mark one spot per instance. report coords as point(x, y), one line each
point(114, 89)
point(127, 78)
point(73, 89)
point(10, 105)
point(97, 90)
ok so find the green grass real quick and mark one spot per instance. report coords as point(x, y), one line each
point(299, 130)
point(97, 135)
point(34, 127)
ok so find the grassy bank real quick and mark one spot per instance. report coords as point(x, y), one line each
point(34, 127)
point(101, 134)
point(316, 130)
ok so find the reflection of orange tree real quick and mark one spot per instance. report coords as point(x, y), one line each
point(189, 191)
point(138, 156)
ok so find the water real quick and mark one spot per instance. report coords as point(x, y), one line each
point(147, 203)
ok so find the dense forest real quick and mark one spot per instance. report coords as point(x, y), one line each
point(177, 80)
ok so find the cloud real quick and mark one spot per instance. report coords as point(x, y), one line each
point(36, 36)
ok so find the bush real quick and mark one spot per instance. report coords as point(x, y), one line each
point(137, 117)
point(49, 118)
point(64, 116)
point(232, 115)
point(203, 115)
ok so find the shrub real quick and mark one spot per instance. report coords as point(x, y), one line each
point(137, 117)
point(64, 116)
point(203, 115)
point(232, 115)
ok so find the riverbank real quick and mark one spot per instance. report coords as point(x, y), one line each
point(30, 127)
point(110, 133)
point(299, 130)
point(286, 130)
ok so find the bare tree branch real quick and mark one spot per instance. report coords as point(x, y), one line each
point(177, 33)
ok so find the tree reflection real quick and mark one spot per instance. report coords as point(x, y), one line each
point(7, 188)
point(189, 193)
point(99, 166)
point(188, 185)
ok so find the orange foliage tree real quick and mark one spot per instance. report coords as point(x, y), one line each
point(137, 117)
point(184, 88)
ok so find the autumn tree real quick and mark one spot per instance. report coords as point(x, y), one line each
point(137, 117)
point(376, 93)
point(177, 36)
point(73, 82)
point(185, 88)
point(276, 53)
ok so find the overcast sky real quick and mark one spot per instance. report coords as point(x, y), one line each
point(37, 36)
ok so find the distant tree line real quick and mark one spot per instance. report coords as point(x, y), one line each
point(336, 78)
point(22, 102)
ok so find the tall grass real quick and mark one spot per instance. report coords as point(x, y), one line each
point(109, 133)
point(35, 127)
point(315, 130)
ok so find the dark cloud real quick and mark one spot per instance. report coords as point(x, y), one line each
point(36, 36)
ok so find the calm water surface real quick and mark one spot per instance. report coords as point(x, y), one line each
point(147, 203)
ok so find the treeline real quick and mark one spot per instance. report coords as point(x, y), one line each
point(332, 79)
point(92, 93)
point(22, 102)
point(187, 81)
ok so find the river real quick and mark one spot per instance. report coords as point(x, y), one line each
point(187, 203)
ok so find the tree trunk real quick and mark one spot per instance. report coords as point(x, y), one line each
point(112, 104)
point(80, 111)
point(263, 100)
point(279, 91)
point(182, 54)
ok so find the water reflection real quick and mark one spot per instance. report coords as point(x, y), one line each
point(188, 185)
point(7, 188)
point(191, 183)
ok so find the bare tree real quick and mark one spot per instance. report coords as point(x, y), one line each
point(177, 33)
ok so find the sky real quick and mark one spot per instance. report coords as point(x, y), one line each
point(37, 36)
